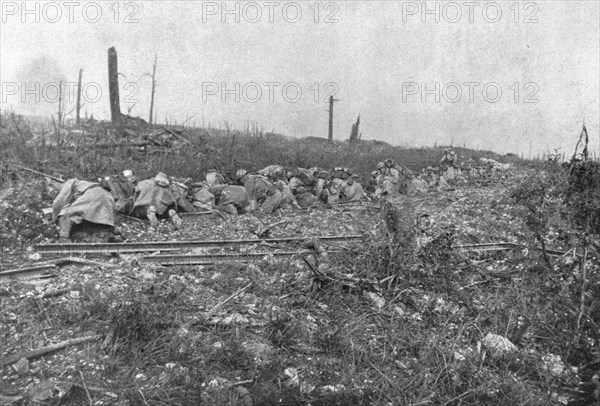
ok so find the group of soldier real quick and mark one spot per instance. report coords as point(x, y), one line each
point(266, 191)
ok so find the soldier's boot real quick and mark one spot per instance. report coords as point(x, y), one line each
point(151, 214)
point(175, 219)
point(64, 229)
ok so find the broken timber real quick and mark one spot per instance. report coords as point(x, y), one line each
point(31, 269)
point(506, 246)
point(11, 359)
point(52, 265)
point(207, 259)
point(99, 248)
point(54, 178)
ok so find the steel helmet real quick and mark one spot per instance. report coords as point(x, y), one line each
point(380, 165)
point(240, 174)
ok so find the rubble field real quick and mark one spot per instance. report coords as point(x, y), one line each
point(447, 299)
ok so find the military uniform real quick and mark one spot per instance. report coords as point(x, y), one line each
point(262, 194)
point(79, 200)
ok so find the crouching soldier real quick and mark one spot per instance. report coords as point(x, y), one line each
point(262, 194)
point(152, 198)
point(78, 201)
point(351, 190)
point(388, 178)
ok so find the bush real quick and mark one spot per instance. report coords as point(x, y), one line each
point(583, 195)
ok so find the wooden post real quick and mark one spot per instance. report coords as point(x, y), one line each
point(60, 104)
point(113, 85)
point(330, 137)
point(78, 97)
point(153, 89)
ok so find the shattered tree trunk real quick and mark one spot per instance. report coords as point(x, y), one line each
point(330, 137)
point(60, 104)
point(153, 89)
point(354, 133)
point(78, 111)
point(113, 86)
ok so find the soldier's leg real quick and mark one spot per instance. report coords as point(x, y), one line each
point(64, 228)
point(271, 203)
point(175, 219)
point(151, 214)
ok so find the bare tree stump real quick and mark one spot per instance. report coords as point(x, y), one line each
point(113, 86)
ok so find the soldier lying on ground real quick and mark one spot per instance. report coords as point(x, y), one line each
point(340, 186)
point(351, 190)
point(322, 177)
point(78, 201)
point(152, 198)
point(287, 197)
point(180, 190)
point(302, 185)
point(231, 199)
point(263, 195)
point(331, 191)
point(201, 197)
point(122, 189)
point(273, 173)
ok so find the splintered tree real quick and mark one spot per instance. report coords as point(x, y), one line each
point(583, 140)
point(153, 89)
point(331, 101)
point(113, 85)
point(354, 133)
point(78, 111)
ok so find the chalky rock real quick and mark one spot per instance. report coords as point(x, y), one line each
point(498, 346)
point(21, 367)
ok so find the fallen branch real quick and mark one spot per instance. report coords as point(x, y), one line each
point(221, 303)
point(178, 136)
point(87, 392)
point(53, 293)
point(10, 399)
point(170, 246)
point(52, 265)
point(129, 217)
point(37, 173)
point(36, 268)
point(11, 359)
point(205, 259)
point(263, 232)
point(81, 261)
point(196, 213)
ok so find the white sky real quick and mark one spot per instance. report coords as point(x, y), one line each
point(377, 53)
